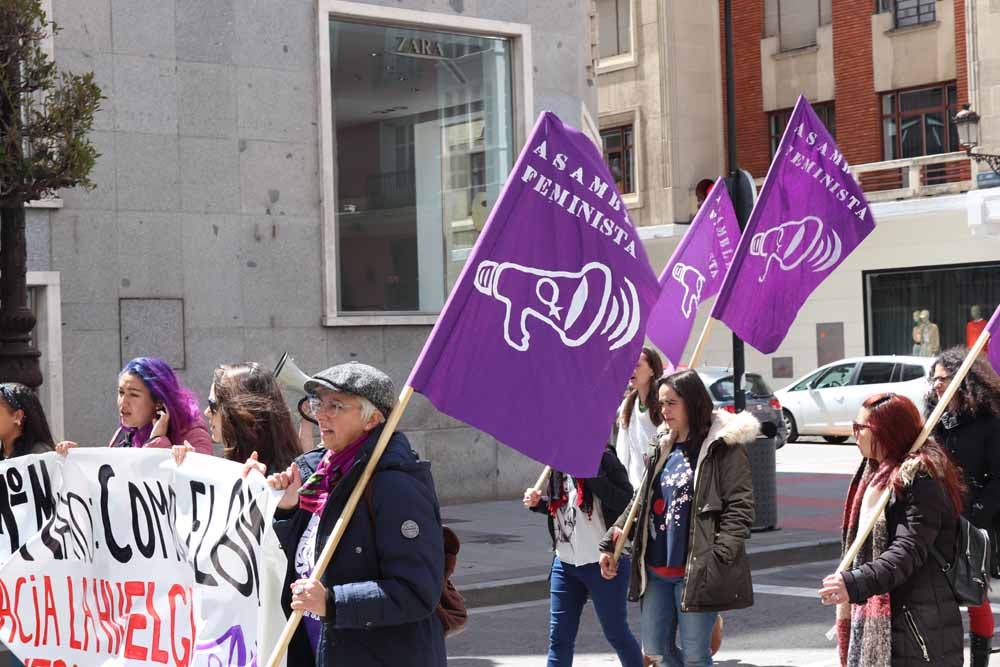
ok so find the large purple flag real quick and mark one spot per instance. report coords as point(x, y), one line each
point(546, 321)
point(695, 272)
point(810, 215)
point(993, 346)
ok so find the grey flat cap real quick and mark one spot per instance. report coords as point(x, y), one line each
point(358, 379)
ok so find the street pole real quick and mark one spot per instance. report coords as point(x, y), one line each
point(736, 192)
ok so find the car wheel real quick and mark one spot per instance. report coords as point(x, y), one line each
point(835, 439)
point(793, 433)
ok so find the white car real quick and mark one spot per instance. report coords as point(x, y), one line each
point(826, 401)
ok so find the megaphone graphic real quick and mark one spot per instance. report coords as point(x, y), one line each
point(693, 283)
point(575, 304)
point(797, 241)
point(289, 377)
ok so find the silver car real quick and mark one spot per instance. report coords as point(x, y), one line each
point(761, 402)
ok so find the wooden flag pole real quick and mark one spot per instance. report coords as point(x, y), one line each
point(630, 519)
point(699, 347)
point(345, 518)
point(542, 479)
point(931, 422)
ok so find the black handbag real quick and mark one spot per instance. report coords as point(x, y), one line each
point(968, 574)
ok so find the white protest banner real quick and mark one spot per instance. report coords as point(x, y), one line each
point(120, 557)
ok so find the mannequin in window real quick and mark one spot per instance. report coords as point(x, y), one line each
point(930, 338)
point(975, 326)
point(917, 336)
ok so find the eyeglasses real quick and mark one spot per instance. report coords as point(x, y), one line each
point(941, 379)
point(329, 406)
point(858, 428)
point(213, 405)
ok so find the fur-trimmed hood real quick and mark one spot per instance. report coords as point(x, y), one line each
point(930, 459)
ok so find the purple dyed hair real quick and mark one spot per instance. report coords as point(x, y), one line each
point(164, 386)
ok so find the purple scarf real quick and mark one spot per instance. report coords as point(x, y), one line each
point(331, 469)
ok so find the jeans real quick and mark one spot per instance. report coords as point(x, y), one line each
point(569, 588)
point(662, 618)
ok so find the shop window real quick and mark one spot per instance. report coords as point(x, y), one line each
point(619, 154)
point(778, 120)
point(423, 130)
point(919, 122)
point(614, 27)
point(923, 311)
point(795, 22)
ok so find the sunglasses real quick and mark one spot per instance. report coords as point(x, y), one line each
point(858, 428)
point(213, 405)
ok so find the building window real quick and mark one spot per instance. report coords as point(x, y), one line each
point(779, 119)
point(954, 297)
point(423, 124)
point(919, 122)
point(795, 22)
point(613, 27)
point(908, 12)
point(619, 154)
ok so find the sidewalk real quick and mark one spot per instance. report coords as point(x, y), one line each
point(506, 551)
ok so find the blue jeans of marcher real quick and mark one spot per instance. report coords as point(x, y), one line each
point(569, 588)
point(662, 618)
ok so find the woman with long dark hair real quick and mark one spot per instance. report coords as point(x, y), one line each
point(687, 564)
point(23, 427)
point(249, 417)
point(639, 415)
point(155, 410)
point(970, 430)
point(579, 511)
point(895, 606)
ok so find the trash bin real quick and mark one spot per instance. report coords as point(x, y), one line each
point(765, 493)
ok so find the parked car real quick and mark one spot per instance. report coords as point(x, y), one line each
point(761, 402)
point(826, 401)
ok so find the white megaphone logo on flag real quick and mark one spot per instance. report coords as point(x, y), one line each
point(693, 282)
point(575, 304)
point(797, 241)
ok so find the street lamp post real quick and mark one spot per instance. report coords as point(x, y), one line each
point(737, 194)
point(967, 124)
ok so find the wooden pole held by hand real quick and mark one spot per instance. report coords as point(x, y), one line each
point(699, 347)
point(929, 425)
point(345, 518)
point(542, 479)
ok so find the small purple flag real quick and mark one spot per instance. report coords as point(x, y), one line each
point(810, 215)
point(544, 326)
point(993, 346)
point(695, 272)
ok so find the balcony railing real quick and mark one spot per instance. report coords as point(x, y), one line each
point(924, 176)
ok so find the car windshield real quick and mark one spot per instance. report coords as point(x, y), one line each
point(755, 387)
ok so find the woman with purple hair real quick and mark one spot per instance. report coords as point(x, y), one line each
point(155, 409)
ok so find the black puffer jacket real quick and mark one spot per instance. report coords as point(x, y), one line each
point(926, 624)
point(974, 444)
point(611, 487)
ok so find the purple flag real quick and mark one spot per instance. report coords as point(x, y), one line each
point(810, 215)
point(544, 326)
point(993, 346)
point(695, 272)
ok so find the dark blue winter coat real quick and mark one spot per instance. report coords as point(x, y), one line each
point(382, 585)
